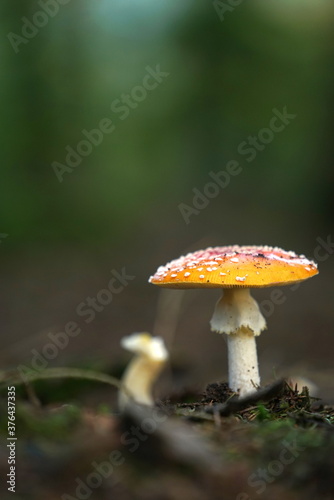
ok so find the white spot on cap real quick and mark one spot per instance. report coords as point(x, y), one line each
point(186, 275)
point(239, 278)
point(209, 269)
point(173, 275)
point(222, 274)
point(201, 276)
point(234, 259)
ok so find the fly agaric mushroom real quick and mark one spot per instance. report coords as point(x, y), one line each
point(236, 269)
point(143, 369)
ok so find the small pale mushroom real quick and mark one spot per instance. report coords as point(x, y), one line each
point(236, 269)
point(142, 371)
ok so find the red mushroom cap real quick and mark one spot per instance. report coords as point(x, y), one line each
point(235, 266)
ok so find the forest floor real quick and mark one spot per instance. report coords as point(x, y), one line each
point(277, 443)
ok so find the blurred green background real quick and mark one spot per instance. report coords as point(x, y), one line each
point(228, 68)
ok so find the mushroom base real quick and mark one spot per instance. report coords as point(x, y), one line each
point(242, 361)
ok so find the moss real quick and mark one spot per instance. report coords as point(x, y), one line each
point(48, 423)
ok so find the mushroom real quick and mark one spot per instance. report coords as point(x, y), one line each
point(143, 369)
point(236, 269)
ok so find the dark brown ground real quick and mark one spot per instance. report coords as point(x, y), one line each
point(278, 443)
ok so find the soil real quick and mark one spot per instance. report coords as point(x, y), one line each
point(277, 443)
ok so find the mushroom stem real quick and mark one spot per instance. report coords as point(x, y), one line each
point(138, 380)
point(238, 315)
point(143, 369)
point(243, 372)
